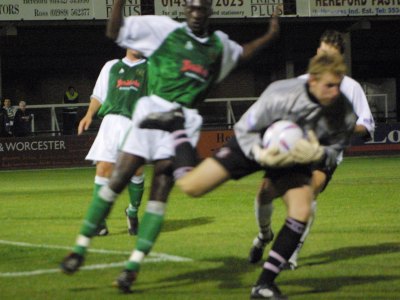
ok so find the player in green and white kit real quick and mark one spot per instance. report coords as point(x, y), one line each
point(119, 86)
point(184, 62)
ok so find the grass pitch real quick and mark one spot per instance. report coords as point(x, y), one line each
point(353, 251)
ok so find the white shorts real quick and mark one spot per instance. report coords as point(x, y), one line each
point(112, 131)
point(154, 144)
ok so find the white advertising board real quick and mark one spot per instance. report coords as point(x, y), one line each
point(300, 8)
point(62, 9)
point(16, 10)
point(330, 8)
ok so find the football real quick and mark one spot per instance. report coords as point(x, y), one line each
point(283, 134)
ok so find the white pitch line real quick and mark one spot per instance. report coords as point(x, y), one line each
point(49, 271)
point(155, 257)
point(22, 244)
point(161, 256)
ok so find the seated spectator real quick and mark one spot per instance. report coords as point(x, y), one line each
point(22, 121)
point(3, 122)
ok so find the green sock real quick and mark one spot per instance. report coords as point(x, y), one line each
point(135, 198)
point(149, 230)
point(97, 213)
point(150, 226)
point(132, 266)
point(79, 249)
point(96, 189)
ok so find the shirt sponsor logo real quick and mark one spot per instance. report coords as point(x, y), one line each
point(128, 84)
point(193, 70)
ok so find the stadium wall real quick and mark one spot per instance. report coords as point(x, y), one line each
point(70, 151)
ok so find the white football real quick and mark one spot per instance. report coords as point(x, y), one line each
point(283, 134)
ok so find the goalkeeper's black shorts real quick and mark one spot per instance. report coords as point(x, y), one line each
point(235, 162)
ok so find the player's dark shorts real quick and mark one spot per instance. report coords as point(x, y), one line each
point(328, 172)
point(232, 158)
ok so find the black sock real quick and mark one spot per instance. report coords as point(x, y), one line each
point(283, 247)
point(179, 122)
point(185, 155)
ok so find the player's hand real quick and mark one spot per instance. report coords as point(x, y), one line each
point(308, 150)
point(271, 157)
point(84, 124)
point(274, 28)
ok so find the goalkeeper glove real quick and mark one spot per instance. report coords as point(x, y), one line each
point(308, 151)
point(271, 157)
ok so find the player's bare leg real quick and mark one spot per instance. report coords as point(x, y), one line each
point(205, 177)
point(263, 208)
point(292, 262)
point(151, 224)
point(318, 183)
point(298, 199)
point(100, 207)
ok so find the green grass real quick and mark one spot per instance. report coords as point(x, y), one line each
point(353, 251)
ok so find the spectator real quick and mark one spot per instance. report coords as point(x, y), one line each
point(10, 114)
point(9, 108)
point(70, 113)
point(3, 122)
point(22, 121)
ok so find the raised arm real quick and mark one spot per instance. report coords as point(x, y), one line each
point(251, 48)
point(116, 20)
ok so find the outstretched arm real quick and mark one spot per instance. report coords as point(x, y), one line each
point(251, 48)
point(116, 20)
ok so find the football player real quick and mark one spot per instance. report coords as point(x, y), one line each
point(119, 86)
point(185, 61)
point(316, 105)
point(331, 41)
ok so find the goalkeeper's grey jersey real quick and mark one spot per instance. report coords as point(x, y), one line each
point(290, 100)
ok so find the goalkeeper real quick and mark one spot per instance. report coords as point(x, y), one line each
point(331, 41)
point(318, 106)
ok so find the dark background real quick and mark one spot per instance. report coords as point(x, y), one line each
point(44, 58)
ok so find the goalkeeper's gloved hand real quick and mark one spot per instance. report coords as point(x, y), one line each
point(309, 150)
point(271, 157)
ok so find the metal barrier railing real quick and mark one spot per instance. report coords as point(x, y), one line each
point(230, 115)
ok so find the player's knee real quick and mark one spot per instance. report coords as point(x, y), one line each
point(163, 167)
point(140, 172)
point(104, 169)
